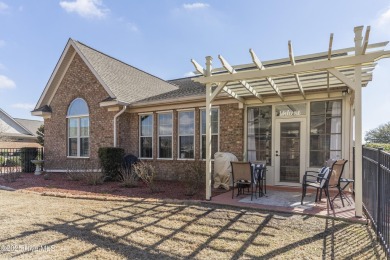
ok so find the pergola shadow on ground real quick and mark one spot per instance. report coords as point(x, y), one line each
point(146, 230)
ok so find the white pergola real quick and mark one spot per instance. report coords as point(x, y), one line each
point(295, 78)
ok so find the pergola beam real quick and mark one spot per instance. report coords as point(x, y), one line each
point(246, 85)
point(292, 60)
point(342, 78)
point(329, 57)
point(222, 86)
point(307, 67)
point(260, 66)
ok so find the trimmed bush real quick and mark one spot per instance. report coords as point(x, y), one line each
point(386, 147)
point(26, 155)
point(110, 161)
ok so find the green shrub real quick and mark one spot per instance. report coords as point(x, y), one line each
point(26, 155)
point(386, 147)
point(110, 161)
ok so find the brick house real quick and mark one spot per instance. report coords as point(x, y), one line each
point(93, 100)
point(99, 89)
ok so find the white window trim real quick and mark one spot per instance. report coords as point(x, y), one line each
point(158, 135)
point(200, 130)
point(178, 134)
point(140, 136)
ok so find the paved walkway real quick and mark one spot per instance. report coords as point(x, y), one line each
point(320, 208)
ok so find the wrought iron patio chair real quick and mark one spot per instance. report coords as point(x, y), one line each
point(242, 177)
point(318, 180)
point(260, 177)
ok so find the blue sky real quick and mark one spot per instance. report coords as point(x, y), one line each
point(162, 36)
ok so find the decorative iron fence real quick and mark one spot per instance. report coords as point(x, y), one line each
point(19, 159)
point(376, 192)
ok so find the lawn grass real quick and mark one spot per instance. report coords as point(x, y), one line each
point(73, 228)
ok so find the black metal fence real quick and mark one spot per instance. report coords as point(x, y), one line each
point(376, 192)
point(19, 159)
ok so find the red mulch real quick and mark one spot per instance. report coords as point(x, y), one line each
point(60, 185)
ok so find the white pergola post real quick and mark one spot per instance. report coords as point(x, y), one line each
point(209, 60)
point(358, 126)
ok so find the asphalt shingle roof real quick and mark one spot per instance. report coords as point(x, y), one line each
point(126, 82)
point(30, 125)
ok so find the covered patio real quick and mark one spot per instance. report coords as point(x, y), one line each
point(285, 84)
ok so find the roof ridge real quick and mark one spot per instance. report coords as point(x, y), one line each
point(109, 56)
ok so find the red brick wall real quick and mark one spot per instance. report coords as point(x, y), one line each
point(79, 82)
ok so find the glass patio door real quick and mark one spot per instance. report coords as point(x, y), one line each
point(290, 150)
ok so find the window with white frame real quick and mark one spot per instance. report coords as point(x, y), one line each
point(214, 132)
point(78, 128)
point(165, 135)
point(186, 131)
point(146, 136)
point(325, 131)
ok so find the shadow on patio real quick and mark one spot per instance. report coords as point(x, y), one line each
point(288, 199)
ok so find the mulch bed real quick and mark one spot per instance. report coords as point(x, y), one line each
point(59, 184)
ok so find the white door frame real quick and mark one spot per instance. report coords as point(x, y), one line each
point(302, 148)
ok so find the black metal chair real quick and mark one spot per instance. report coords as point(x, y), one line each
point(319, 181)
point(242, 177)
point(260, 177)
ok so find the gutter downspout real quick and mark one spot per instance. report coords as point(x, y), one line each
point(115, 117)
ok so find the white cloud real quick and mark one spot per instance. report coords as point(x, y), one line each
point(383, 21)
point(132, 27)
point(2, 43)
point(3, 6)
point(86, 8)
point(194, 6)
point(189, 74)
point(26, 106)
point(6, 82)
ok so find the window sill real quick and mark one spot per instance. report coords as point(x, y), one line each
point(165, 159)
point(186, 159)
point(77, 157)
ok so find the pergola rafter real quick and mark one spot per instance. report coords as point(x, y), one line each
point(332, 70)
point(292, 59)
point(260, 66)
point(246, 85)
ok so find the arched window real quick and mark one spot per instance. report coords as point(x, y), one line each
point(78, 128)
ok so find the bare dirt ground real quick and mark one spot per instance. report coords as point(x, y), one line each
point(42, 227)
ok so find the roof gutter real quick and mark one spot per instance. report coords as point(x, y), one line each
point(115, 117)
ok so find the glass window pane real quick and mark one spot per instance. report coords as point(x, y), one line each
point(335, 142)
point(165, 147)
point(84, 126)
point(317, 158)
point(214, 146)
point(333, 125)
point(146, 125)
point(165, 124)
point(333, 108)
point(317, 142)
point(78, 107)
point(186, 123)
point(146, 147)
point(72, 147)
point(186, 147)
point(84, 147)
point(317, 125)
point(73, 122)
point(317, 108)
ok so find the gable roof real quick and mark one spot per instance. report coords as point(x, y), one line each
point(123, 83)
point(18, 127)
point(30, 125)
